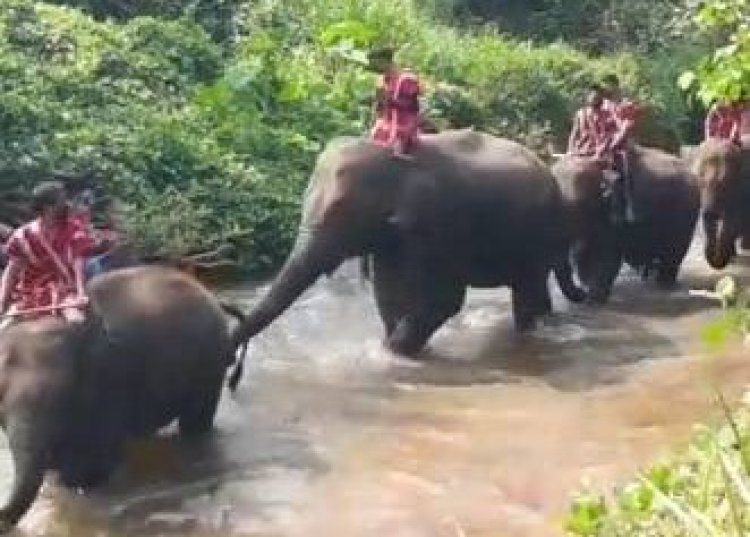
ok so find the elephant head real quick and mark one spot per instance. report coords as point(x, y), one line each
point(347, 206)
point(46, 412)
point(719, 167)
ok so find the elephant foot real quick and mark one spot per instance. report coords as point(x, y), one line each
point(597, 297)
point(667, 284)
point(524, 324)
point(666, 278)
point(197, 415)
point(6, 526)
point(404, 340)
point(576, 295)
point(403, 346)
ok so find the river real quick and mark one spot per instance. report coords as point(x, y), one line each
point(486, 437)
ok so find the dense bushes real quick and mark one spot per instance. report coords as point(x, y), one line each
point(596, 26)
point(211, 138)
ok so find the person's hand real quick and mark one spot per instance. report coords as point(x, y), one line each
point(80, 300)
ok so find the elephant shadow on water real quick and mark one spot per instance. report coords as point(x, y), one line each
point(578, 350)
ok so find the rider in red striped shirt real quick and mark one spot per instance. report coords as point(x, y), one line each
point(724, 122)
point(397, 104)
point(45, 269)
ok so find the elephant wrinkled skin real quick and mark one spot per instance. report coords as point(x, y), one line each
point(155, 348)
point(467, 209)
point(667, 199)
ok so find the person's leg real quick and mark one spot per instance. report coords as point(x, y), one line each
point(626, 178)
point(617, 198)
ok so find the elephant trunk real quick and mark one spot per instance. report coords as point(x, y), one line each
point(28, 446)
point(720, 242)
point(314, 255)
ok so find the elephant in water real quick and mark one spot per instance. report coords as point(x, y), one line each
point(667, 198)
point(724, 174)
point(155, 348)
point(467, 209)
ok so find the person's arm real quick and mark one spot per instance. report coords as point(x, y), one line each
point(8, 282)
point(735, 134)
point(79, 264)
point(624, 129)
point(709, 124)
point(575, 134)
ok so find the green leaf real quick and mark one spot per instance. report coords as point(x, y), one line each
point(686, 80)
point(355, 31)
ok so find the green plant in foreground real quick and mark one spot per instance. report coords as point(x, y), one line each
point(704, 492)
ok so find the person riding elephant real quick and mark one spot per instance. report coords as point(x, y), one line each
point(625, 115)
point(46, 257)
point(669, 200)
point(724, 122)
point(397, 106)
point(154, 347)
point(723, 170)
point(469, 210)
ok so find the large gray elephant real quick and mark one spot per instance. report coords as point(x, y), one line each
point(667, 199)
point(154, 349)
point(467, 209)
point(723, 170)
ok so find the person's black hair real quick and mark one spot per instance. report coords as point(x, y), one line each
point(383, 53)
point(46, 194)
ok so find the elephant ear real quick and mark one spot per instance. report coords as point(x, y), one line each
point(92, 338)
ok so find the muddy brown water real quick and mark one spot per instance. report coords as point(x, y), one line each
point(487, 436)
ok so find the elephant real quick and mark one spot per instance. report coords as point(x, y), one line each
point(665, 194)
point(464, 209)
point(154, 348)
point(723, 171)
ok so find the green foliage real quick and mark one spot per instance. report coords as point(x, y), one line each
point(118, 100)
point(736, 318)
point(723, 75)
point(474, 77)
point(215, 16)
point(703, 492)
point(596, 26)
point(208, 130)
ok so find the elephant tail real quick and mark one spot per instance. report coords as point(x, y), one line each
point(238, 358)
point(365, 268)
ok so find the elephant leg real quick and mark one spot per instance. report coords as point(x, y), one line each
point(530, 297)
point(389, 290)
point(92, 449)
point(416, 327)
point(607, 265)
point(543, 297)
point(198, 412)
point(606, 276)
point(428, 298)
point(666, 275)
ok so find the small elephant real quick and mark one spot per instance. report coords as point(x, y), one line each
point(723, 170)
point(155, 348)
point(667, 198)
point(466, 209)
